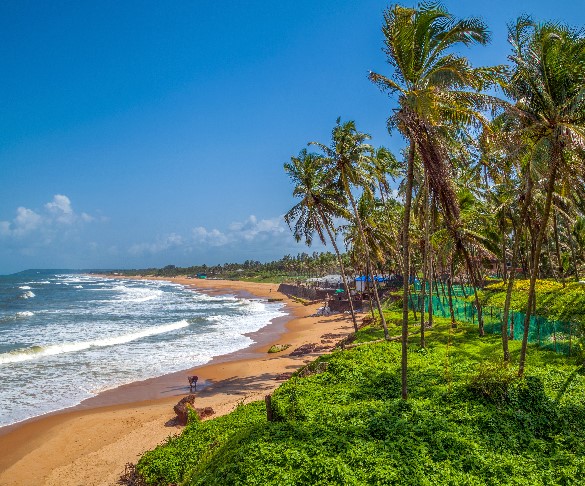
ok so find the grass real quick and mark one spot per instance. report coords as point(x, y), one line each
point(553, 301)
point(468, 421)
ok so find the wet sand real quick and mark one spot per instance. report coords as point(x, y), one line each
point(90, 444)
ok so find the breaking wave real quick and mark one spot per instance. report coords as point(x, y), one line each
point(34, 352)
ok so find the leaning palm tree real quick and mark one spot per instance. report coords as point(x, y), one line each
point(348, 163)
point(320, 202)
point(430, 83)
point(548, 84)
point(377, 233)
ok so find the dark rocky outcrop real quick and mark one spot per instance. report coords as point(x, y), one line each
point(283, 376)
point(187, 403)
point(308, 349)
point(182, 408)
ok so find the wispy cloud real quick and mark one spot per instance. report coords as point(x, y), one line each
point(161, 244)
point(248, 232)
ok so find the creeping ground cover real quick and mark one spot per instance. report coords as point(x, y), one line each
point(553, 300)
point(468, 421)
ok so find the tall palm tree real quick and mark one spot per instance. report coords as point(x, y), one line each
point(320, 202)
point(548, 84)
point(430, 83)
point(348, 163)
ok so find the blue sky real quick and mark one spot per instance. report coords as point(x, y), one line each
point(147, 133)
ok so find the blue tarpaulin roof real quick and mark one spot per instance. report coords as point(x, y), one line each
point(369, 279)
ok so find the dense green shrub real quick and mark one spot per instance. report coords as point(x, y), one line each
point(466, 422)
point(553, 301)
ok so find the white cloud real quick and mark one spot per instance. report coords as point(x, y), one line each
point(251, 228)
point(86, 218)
point(249, 232)
point(170, 241)
point(213, 237)
point(60, 205)
point(45, 223)
point(26, 221)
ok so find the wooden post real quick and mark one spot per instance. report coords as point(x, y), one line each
point(268, 401)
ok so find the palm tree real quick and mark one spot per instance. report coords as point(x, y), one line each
point(383, 165)
point(431, 100)
point(548, 84)
point(348, 164)
point(320, 202)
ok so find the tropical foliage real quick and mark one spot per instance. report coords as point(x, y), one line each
point(487, 186)
point(490, 187)
point(468, 421)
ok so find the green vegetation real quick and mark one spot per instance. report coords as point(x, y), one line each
point(553, 299)
point(468, 420)
point(288, 268)
point(487, 186)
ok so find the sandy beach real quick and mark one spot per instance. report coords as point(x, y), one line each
point(90, 444)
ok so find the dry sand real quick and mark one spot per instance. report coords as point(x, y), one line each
point(90, 444)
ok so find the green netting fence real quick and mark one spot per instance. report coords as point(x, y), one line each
point(558, 336)
point(458, 290)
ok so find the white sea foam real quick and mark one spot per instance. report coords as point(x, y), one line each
point(24, 287)
point(96, 341)
point(35, 352)
point(16, 317)
point(27, 295)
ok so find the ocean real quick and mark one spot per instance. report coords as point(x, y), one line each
point(68, 337)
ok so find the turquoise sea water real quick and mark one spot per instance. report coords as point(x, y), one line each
point(66, 337)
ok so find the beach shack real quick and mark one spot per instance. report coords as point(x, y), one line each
point(362, 282)
point(327, 282)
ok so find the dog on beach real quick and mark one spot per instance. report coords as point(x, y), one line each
point(192, 382)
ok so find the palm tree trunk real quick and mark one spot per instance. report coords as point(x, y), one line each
point(542, 230)
point(504, 266)
point(553, 270)
point(515, 252)
point(558, 246)
point(450, 290)
point(412, 303)
point(573, 254)
point(368, 261)
point(429, 256)
point(474, 283)
point(342, 268)
point(510, 286)
point(406, 272)
point(431, 275)
point(423, 289)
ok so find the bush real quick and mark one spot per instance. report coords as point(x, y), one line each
point(493, 382)
point(469, 423)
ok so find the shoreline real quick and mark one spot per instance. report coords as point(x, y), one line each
point(90, 443)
